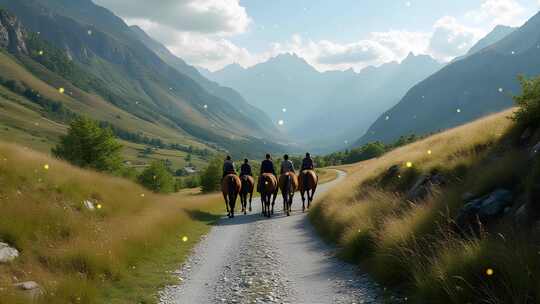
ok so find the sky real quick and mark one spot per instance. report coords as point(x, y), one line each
point(329, 34)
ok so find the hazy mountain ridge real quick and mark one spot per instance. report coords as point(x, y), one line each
point(464, 90)
point(325, 109)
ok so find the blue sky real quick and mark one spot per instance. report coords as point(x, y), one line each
point(337, 34)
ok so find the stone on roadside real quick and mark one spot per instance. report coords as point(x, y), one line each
point(7, 253)
point(30, 288)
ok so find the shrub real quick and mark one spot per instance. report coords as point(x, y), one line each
point(211, 177)
point(157, 178)
point(528, 102)
point(89, 146)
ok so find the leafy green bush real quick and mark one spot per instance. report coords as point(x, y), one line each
point(89, 146)
point(211, 177)
point(157, 178)
point(528, 113)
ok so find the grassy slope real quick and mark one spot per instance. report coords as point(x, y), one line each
point(414, 246)
point(88, 104)
point(83, 256)
point(22, 123)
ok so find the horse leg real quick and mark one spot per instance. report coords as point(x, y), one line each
point(226, 204)
point(310, 198)
point(302, 194)
point(232, 201)
point(250, 198)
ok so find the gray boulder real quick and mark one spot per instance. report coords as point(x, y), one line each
point(7, 253)
point(424, 186)
point(32, 289)
point(534, 150)
point(484, 210)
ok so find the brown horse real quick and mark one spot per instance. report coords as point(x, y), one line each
point(230, 187)
point(308, 182)
point(268, 188)
point(288, 183)
point(247, 188)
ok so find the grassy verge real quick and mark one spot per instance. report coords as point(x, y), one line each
point(415, 246)
point(118, 253)
point(326, 175)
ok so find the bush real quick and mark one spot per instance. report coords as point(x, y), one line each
point(89, 146)
point(157, 178)
point(211, 177)
point(528, 102)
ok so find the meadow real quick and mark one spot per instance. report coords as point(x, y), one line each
point(413, 246)
point(120, 252)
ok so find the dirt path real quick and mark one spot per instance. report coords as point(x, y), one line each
point(251, 259)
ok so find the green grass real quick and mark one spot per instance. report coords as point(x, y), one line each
point(120, 253)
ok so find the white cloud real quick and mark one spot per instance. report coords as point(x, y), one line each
point(199, 31)
point(221, 17)
point(498, 12)
point(451, 39)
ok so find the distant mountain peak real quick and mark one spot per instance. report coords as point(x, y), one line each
point(498, 33)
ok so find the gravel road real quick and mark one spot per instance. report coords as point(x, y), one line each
point(251, 259)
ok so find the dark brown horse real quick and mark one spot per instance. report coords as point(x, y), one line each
point(307, 183)
point(247, 188)
point(230, 187)
point(288, 184)
point(268, 189)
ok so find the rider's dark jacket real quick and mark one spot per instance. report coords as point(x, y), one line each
point(267, 166)
point(245, 169)
point(228, 168)
point(307, 164)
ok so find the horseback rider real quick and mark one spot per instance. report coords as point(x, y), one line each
point(228, 166)
point(307, 163)
point(286, 165)
point(245, 169)
point(267, 166)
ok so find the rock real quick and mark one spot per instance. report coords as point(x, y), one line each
point(521, 217)
point(89, 205)
point(12, 34)
point(393, 171)
point(526, 135)
point(483, 210)
point(424, 186)
point(534, 150)
point(31, 288)
point(7, 253)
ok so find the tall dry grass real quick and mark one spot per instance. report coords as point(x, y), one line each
point(415, 246)
point(85, 256)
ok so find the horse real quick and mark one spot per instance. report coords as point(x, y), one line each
point(247, 188)
point(230, 187)
point(307, 182)
point(288, 183)
point(268, 188)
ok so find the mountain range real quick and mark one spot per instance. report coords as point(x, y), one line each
point(478, 84)
point(324, 110)
point(137, 77)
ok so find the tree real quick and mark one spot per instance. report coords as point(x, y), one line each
point(157, 178)
point(89, 146)
point(211, 177)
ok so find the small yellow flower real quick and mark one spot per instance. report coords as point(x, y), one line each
point(142, 194)
point(409, 164)
point(490, 272)
point(46, 166)
point(184, 239)
point(61, 90)
point(429, 152)
point(99, 206)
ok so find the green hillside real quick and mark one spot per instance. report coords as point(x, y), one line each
point(104, 58)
